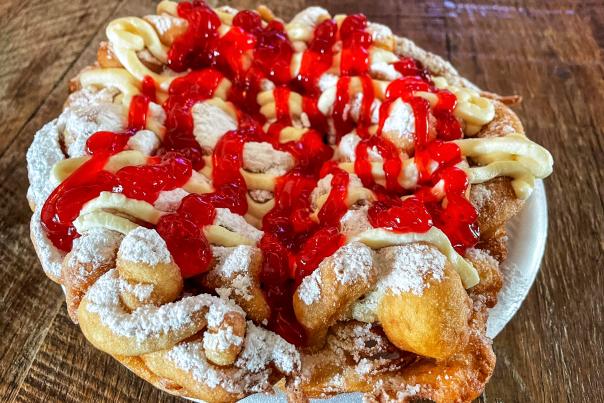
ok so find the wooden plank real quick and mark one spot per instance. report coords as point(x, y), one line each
point(68, 368)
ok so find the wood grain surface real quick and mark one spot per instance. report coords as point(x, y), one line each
point(550, 52)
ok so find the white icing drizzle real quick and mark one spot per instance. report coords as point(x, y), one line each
point(514, 155)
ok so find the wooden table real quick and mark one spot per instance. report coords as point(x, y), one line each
point(550, 52)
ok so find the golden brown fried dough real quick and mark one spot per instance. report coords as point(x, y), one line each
point(433, 324)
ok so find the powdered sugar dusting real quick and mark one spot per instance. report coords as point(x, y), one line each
point(144, 245)
point(309, 290)
point(50, 257)
point(263, 347)
point(234, 264)
point(407, 268)
point(147, 321)
point(190, 357)
point(253, 367)
point(144, 141)
point(236, 223)
point(221, 340)
point(482, 255)
point(262, 157)
point(79, 122)
point(351, 262)
point(480, 195)
point(355, 221)
point(45, 151)
point(410, 266)
point(97, 246)
point(169, 200)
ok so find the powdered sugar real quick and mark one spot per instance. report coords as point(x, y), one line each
point(144, 141)
point(81, 121)
point(351, 263)
point(45, 151)
point(50, 257)
point(234, 265)
point(236, 223)
point(169, 200)
point(144, 245)
point(399, 126)
point(211, 122)
point(355, 221)
point(97, 246)
point(346, 149)
point(263, 347)
point(221, 340)
point(480, 194)
point(406, 269)
point(261, 195)
point(310, 288)
point(253, 366)
point(323, 188)
point(383, 71)
point(262, 157)
point(327, 80)
point(147, 321)
point(410, 266)
point(482, 255)
point(217, 312)
point(190, 357)
point(357, 103)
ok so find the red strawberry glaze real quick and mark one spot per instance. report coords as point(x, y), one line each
point(435, 161)
point(408, 215)
point(294, 243)
point(183, 233)
point(317, 59)
point(64, 204)
point(392, 163)
point(184, 92)
point(355, 46)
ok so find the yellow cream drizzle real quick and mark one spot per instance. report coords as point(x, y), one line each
point(116, 77)
point(514, 155)
point(109, 210)
point(129, 35)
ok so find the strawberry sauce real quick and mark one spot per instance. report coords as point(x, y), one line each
point(296, 238)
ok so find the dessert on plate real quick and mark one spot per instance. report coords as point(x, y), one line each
point(232, 202)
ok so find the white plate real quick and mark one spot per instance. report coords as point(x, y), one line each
point(527, 233)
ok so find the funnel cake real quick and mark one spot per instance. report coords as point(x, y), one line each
point(230, 200)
